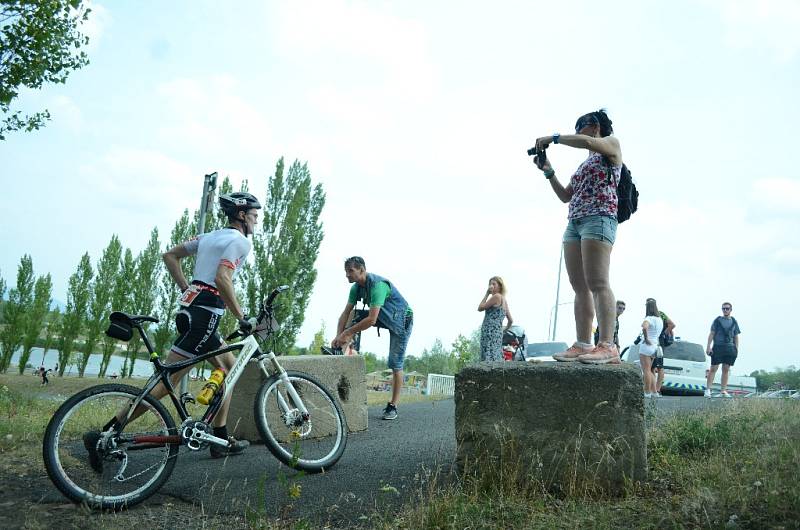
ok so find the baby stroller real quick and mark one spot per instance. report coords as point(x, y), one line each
point(515, 343)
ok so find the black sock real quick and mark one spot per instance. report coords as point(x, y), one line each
point(221, 432)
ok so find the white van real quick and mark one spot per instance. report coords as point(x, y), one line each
point(684, 367)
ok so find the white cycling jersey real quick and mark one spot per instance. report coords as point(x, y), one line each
point(228, 247)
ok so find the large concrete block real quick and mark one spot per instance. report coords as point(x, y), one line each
point(567, 426)
point(343, 376)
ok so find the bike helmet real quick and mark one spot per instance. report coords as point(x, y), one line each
point(232, 203)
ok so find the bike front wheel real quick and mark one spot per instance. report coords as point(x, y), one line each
point(312, 442)
point(91, 462)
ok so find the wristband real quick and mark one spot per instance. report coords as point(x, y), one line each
point(549, 173)
point(556, 136)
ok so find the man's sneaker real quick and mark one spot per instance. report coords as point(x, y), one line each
point(707, 393)
point(237, 447)
point(725, 394)
point(572, 354)
point(603, 353)
point(648, 395)
point(90, 440)
point(390, 412)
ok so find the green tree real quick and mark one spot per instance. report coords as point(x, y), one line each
point(120, 301)
point(319, 341)
point(52, 326)
point(72, 325)
point(19, 303)
point(371, 362)
point(101, 290)
point(40, 42)
point(34, 319)
point(466, 351)
point(288, 246)
point(2, 291)
point(143, 290)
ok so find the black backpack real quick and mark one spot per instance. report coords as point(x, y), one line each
point(627, 194)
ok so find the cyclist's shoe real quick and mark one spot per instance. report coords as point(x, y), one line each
point(390, 412)
point(603, 353)
point(90, 440)
point(237, 447)
point(572, 354)
point(326, 350)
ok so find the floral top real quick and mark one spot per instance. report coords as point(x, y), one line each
point(592, 191)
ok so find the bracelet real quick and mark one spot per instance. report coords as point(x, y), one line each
point(549, 173)
point(556, 136)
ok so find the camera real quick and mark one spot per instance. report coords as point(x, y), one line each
point(540, 154)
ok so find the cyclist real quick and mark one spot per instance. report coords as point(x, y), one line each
point(387, 309)
point(219, 254)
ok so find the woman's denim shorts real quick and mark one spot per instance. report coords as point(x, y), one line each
point(599, 227)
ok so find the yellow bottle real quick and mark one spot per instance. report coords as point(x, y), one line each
point(211, 387)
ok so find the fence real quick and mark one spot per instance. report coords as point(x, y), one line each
point(441, 384)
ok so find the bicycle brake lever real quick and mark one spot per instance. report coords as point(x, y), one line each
point(233, 335)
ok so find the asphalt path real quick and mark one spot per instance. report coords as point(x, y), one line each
point(382, 468)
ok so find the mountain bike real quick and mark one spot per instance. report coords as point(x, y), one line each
point(299, 420)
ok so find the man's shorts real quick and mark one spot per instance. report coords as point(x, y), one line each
point(598, 227)
point(197, 331)
point(397, 345)
point(724, 354)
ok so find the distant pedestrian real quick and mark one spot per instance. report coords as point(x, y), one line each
point(620, 310)
point(495, 306)
point(43, 372)
point(648, 348)
point(665, 339)
point(725, 336)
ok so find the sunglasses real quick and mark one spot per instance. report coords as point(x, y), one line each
point(726, 308)
point(584, 122)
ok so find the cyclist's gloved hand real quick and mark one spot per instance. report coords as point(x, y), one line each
point(246, 325)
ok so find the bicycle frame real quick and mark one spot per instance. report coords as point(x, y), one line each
point(248, 348)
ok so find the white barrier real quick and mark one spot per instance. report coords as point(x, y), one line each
point(441, 384)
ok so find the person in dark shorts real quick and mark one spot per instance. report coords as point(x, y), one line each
point(725, 337)
point(218, 256)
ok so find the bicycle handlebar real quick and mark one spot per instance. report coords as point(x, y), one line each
point(265, 309)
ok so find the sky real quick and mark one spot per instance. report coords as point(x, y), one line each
point(415, 117)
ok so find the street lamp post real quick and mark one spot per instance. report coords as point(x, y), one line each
point(558, 291)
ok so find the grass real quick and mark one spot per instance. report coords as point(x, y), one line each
point(730, 468)
point(734, 467)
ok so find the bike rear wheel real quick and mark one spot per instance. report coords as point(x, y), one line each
point(311, 443)
point(128, 466)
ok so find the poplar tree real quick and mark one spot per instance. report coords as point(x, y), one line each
point(19, 302)
point(143, 290)
point(74, 320)
point(101, 289)
point(52, 324)
point(288, 246)
point(120, 301)
point(35, 318)
point(169, 291)
point(318, 342)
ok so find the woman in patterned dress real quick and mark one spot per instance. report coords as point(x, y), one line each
point(495, 306)
point(591, 231)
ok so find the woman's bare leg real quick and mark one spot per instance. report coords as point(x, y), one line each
point(596, 262)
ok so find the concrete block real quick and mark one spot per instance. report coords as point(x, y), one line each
point(568, 426)
point(343, 376)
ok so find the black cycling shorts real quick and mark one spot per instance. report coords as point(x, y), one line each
point(723, 354)
point(197, 331)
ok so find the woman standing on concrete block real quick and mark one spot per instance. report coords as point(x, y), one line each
point(591, 231)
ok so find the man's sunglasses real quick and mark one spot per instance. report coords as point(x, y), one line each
point(726, 308)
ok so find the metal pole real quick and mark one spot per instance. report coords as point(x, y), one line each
point(206, 203)
point(558, 291)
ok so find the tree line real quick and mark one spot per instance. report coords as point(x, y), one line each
point(285, 250)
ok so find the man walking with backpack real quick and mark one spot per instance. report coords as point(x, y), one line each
point(725, 336)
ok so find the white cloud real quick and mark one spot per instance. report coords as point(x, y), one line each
point(777, 195)
point(766, 24)
point(96, 24)
point(65, 112)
